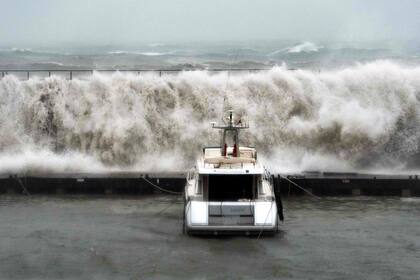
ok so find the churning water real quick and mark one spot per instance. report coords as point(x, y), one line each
point(103, 238)
point(365, 116)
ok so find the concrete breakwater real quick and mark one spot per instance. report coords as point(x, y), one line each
point(328, 184)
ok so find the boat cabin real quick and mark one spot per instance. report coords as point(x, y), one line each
point(229, 190)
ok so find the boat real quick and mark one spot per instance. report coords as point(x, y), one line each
point(229, 191)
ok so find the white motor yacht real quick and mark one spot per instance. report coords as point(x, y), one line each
point(229, 191)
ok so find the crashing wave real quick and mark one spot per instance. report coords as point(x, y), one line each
point(366, 116)
point(140, 53)
point(305, 47)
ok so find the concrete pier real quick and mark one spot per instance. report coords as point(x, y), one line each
point(349, 184)
point(10, 191)
point(89, 183)
point(309, 191)
point(406, 193)
point(60, 191)
point(321, 184)
point(108, 191)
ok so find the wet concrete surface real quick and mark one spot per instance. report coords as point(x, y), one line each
point(86, 237)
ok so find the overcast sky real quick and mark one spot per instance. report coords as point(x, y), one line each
point(130, 21)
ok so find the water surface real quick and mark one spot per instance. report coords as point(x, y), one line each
point(45, 237)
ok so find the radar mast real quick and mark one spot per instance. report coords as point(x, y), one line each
point(231, 128)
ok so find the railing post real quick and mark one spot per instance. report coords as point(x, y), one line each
point(4, 73)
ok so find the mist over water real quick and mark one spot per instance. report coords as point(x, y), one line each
point(323, 55)
point(364, 117)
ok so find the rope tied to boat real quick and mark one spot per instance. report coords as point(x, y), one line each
point(21, 184)
point(265, 221)
point(160, 188)
point(300, 187)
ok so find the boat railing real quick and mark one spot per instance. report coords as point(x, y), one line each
point(26, 74)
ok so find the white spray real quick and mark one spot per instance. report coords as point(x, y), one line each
point(362, 117)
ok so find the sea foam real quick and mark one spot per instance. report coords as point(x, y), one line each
point(363, 117)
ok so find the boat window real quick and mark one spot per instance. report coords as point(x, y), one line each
point(230, 187)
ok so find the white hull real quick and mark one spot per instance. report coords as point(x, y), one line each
point(219, 217)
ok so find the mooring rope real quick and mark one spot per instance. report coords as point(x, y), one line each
point(302, 188)
point(293, 183)
point(160, 188)
point(25, 191)
point(265, 221)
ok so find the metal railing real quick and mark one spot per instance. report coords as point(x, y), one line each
point(70, 73)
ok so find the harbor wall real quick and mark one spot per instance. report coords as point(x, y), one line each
point(135, 184)
point(337, 186)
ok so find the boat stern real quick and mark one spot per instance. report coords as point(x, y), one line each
point(253, 217)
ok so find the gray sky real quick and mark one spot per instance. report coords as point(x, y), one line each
point(129, 21)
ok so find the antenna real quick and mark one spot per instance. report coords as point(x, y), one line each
point(224, 105)
point(227, 84)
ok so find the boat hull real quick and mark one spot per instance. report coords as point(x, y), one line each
point(255, 217)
